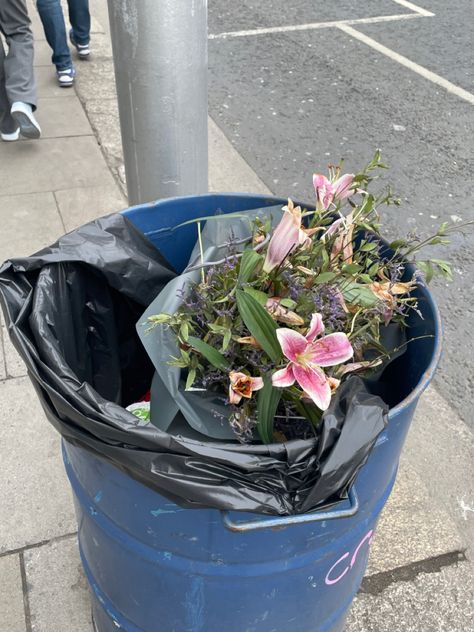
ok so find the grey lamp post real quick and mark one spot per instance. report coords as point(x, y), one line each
point(160, 58)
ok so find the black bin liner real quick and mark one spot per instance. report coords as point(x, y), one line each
point(71, 311)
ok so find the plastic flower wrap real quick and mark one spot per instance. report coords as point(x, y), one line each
point(276, 308)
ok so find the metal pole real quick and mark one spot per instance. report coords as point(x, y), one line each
point(160, 58)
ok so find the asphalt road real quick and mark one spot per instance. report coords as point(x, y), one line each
point(293, 101)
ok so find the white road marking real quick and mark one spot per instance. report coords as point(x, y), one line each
point(315, 25)
point(404, 61)
point(415, 8)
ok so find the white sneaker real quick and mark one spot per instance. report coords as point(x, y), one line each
point(83, 50)
point(66, 77)
point(11, 137)
point(23, 115)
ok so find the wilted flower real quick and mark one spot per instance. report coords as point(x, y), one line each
point(343, 228)
point(278, 312)
point(328, 192)
point(307, 356)
point(242, 385)
point(288, 234)
point(387, 292)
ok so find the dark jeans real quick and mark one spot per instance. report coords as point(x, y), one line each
point(52, 17)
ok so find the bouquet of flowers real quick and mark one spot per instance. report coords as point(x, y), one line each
point(279, 306)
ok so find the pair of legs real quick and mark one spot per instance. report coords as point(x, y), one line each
point(52, 17)
point(17, 83)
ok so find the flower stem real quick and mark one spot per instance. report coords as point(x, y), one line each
point(201, 251)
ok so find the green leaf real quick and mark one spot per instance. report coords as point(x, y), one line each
point(325, 277)
point(158, 319)
point(249, 261)
point(368, 247)
point(374, 268)
point(190, 379)
point(184, 331)
point(398, 243)
point(288, 302)
point(226, 340)
point(212, 355)
point(358, 294)
point(260, 324)
point(259, 296)
point(267, 404)
point(351, 268)
point(428, 270)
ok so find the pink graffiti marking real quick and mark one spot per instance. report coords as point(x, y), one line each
point(330, 581)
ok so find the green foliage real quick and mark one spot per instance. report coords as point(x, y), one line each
point(260, 324)
point(267, 404)
point(358, 286)
point(212, 355)
point(248, 263)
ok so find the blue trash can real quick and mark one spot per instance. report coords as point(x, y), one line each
point(155, 567)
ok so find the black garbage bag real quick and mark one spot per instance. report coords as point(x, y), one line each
point(71, 311)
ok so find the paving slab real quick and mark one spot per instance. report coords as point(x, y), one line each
point(29, 221)
point(3, 366)
point(433, 602)
point(440, 448)
point(13, 364)
point(104, 118)
point(57, 588)
point(36, 500)
point(79, 206)
point(97, 79)
point(12, 615)
point(412, 527)
point(43, 54)
point(52, 164)
point(47, 84)
point(63, 117)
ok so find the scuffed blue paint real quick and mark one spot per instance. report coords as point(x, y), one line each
point(92, 511)
point(167, 555)
point(160, 512)
point(194, 606)
point(98, 497)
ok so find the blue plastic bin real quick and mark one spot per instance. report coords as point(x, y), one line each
point(154, 567)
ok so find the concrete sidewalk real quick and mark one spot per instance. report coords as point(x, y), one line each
point(420, 576)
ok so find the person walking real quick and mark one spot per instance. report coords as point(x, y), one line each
point(17, 83)
point(52, 17)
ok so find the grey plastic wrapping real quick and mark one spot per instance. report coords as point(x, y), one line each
point(71, 311)
point(205, 412)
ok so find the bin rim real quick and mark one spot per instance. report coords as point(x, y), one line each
point(429, 372)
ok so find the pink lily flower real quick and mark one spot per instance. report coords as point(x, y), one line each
point(328, 192)
point(242, 385)
point(344, 229)
point(288, 234)
point(307, 355)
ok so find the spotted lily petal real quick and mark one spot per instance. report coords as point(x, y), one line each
point(292, 343)
point(315, 384)
point(284, 377)
point(330, 350)
point(316, 327)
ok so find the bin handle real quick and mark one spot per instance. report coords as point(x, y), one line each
point(245, 526)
